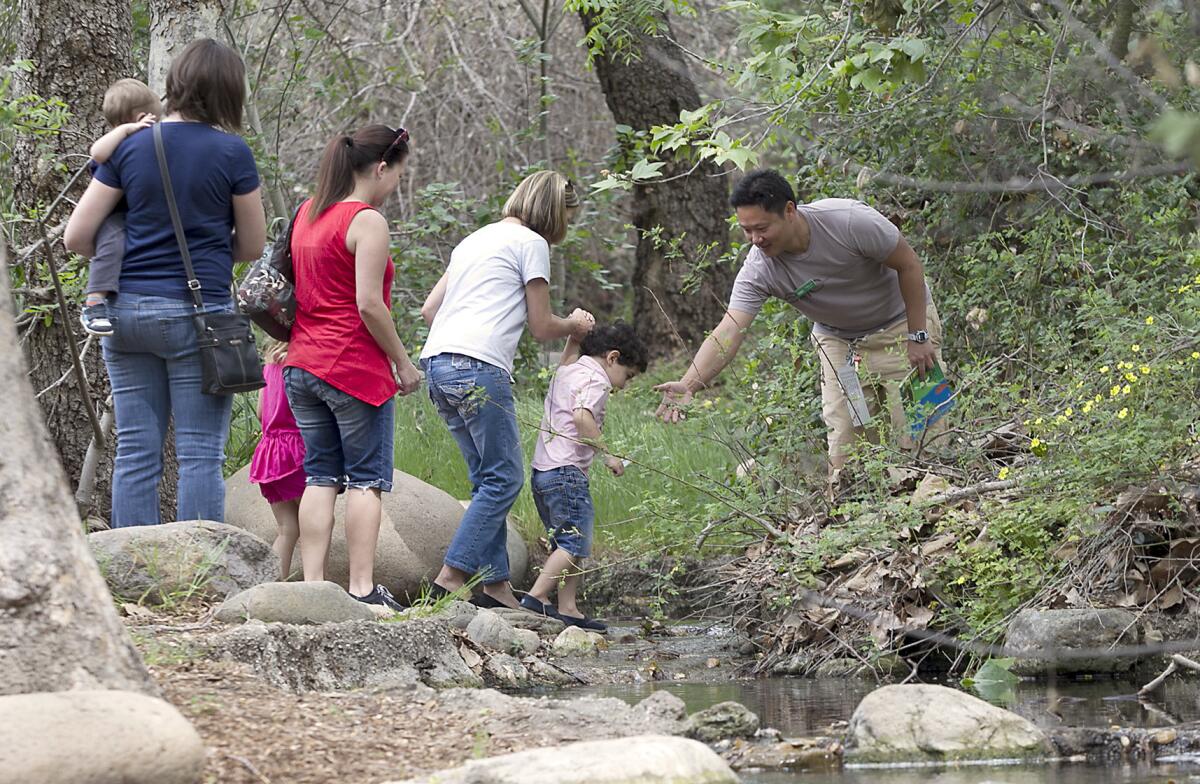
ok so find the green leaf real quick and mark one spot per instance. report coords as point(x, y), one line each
point(646, 170)
point(994, 682)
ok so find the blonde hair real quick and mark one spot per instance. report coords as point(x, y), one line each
point(274, 351)
point(541, 202)
point(128, 98)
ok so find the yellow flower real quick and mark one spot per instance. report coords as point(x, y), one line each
point(1125, 390)
point(1058, 420)
point(1135, 348)
point(1087, 407)
point(1121, 365)
point(1149, 319)
point(1124, 412)
point(1104, 369)
point(1196, 355)
point(1116, 390)
point(1145, 370)
point(1130, 377)
point(1003, 473)
point(1098, 398)
point(1037, 421)
point(707, 404)
point(1069, 412)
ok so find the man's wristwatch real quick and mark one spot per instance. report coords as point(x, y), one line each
point(920, 336)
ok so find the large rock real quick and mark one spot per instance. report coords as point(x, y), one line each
point(350, 655)
point(923, 722)
point(1071, 641)
point(317, 602)
point(491, 631)
point(96, 737)
point(419, 520)
point(646, 759)
point(176, 562)
point(721, 721)
point(573, 641)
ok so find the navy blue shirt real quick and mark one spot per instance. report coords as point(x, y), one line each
point(208, 168)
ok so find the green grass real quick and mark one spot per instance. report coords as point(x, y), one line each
point(425, 449)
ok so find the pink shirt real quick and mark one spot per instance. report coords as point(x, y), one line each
point(583, 384)
point(280, 453)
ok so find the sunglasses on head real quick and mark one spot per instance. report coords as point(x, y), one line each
point(401, 138)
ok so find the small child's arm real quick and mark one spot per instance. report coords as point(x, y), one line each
point(104, 147)
point(589, 433)
point(570, 352)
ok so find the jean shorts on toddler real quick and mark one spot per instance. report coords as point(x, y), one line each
point(564, 503)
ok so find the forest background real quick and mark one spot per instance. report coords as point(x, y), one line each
point(1039, 156)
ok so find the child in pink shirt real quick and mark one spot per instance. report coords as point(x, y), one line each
point(278, 463)
point(568, 439)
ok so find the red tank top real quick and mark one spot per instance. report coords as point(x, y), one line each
point(329, 338)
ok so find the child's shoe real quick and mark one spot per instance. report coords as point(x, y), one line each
point(96, 321)
point(591, 624)
point(533, 605)
point(381, 596)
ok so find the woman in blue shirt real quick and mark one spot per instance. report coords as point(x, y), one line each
point(152, 358)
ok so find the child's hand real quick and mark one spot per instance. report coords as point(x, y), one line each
point(143, 121)
point(615, 465)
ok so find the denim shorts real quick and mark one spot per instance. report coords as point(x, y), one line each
point(347, 443)
point(564, 503)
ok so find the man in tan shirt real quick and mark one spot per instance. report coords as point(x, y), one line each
point(848, 269)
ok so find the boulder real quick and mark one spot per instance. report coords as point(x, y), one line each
point(645, 759)
point(491, 631)
point(721, 721)
point(176, 562)
point(96, 737)
point(316, 602)
point(527, 642)
point(1045, 641)
point(663, 705)
point(419, 520)
point(506, 671)
point(921, 722)
point(457, 614)
point(523, 619)
point(573, 641)
point(349, 655)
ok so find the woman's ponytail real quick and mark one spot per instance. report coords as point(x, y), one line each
point(335, 175)
point(348, 153)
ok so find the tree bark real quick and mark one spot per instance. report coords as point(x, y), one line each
point(173, 25)
point(58, 627)
point(1122, 29)
point(78, 50)
point(691, 211)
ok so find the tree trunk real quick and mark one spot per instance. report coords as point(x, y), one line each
point(691, 212)
point(173, 25)
point(1122, 29)
point(58, 627)
point(78, 50)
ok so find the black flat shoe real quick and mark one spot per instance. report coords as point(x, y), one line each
point(485, 602)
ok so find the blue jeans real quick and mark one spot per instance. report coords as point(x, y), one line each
point(564, 502)
point(476, 401)
point(347, 443)
point(154, 368)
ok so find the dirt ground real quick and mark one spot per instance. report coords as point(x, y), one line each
point(257, 734)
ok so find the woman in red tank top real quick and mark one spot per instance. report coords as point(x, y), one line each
point(345, 361)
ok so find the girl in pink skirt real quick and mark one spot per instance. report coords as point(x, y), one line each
point(278, 463)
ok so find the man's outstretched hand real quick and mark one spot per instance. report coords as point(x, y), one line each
point(676, 395)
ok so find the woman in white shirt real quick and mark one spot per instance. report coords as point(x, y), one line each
point(498, 280)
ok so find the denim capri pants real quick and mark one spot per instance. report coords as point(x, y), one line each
point(347, 443)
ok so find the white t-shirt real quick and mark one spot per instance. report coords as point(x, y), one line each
point(483, 313)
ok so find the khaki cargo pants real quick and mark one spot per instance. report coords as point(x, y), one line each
point(884, 365)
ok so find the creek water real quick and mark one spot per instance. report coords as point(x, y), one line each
point(799, 707)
